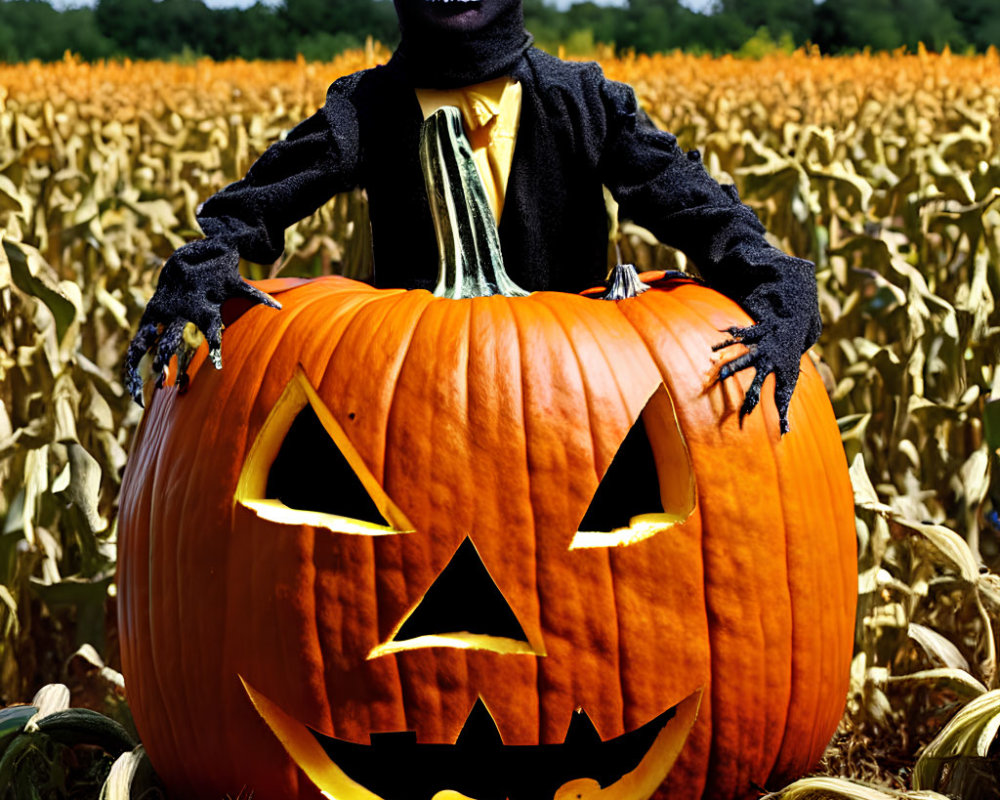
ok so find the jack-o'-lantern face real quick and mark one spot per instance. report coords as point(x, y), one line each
point(304, 470)
point(427, 526)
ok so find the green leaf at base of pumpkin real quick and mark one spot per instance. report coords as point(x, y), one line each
point(481, 765)
point(48, 749)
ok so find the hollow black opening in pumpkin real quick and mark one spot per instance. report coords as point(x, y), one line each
point(311, 474)
point(465, 599)
point(629, 488)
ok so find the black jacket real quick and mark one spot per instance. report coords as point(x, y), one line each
point(577, 131)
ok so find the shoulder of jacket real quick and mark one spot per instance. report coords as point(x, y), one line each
point(553, 78)
point(346, 85)
point(551, 69)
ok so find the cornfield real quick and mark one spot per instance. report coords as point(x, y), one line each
point(882, 168)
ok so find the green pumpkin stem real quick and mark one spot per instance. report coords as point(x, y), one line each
point(623, 282)
point(471, 263)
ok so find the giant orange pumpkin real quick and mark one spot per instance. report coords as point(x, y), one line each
point(389, 506)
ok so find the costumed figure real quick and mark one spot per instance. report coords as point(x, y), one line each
point(575, 132)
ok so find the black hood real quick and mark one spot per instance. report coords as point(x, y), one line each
point(460, 42)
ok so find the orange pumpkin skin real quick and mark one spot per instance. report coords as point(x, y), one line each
point(492, 418)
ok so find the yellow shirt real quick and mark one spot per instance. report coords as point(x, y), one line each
point(491, 112)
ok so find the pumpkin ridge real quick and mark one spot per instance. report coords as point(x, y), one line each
point(348, 309)
point(800, 623)
point(494, 329)
point(766, 745)
point(669, 319)
point(630, 413)
point(139, 646)
point(167, 591)
point(426, 370)
point(393, 410)
point(498, 315)
point(846, 502)
point(771, 756)
point(831, 707)
point(317, 634)
point(711, 766)
point(595, 450)
point(530, 481)
point(813, 399)
point(264, 342)
point(594, 444)
point(271, 336)
point(289, 646)
point(362, 322)
point(218, 396)
point(844, 657)
point(157, 661)
point(683, 775)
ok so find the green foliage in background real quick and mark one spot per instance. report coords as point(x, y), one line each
point(319, 29)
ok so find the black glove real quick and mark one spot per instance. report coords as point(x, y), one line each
point(193, 285)
point(787, 324)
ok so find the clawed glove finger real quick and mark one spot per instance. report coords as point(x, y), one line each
point(170, 339)
point(254, 295)
point(766, 354)
point(783, 388)
point(145, 338)
point(748, 335)
point(193, 285)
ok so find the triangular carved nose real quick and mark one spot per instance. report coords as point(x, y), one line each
point(462, 608)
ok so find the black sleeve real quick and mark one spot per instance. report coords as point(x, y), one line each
point(670, 193)
point(293, 178)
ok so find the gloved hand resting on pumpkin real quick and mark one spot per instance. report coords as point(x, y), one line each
point(193, 285)
point(575, 130)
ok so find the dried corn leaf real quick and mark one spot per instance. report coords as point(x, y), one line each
point(958, 761)
point(958, 681)
point(939, 649)
point(840, 789)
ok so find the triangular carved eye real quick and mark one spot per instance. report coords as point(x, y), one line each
point(303, 470)
point(462, 608)
point(649, 486)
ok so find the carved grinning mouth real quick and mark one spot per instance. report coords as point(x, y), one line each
point(394, 766)
point(480, 765)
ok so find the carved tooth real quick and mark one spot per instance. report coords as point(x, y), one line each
point(480, 730)
point(581, 731)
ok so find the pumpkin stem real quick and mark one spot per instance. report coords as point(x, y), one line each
point(471, 263)
point(623, 282)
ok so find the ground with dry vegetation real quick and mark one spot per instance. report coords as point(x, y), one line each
point(883, 169)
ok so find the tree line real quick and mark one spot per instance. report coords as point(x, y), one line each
point(318, 29)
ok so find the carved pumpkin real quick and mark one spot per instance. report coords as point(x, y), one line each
point(391, 511)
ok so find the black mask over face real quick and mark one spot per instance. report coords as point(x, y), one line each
point(451, 43)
